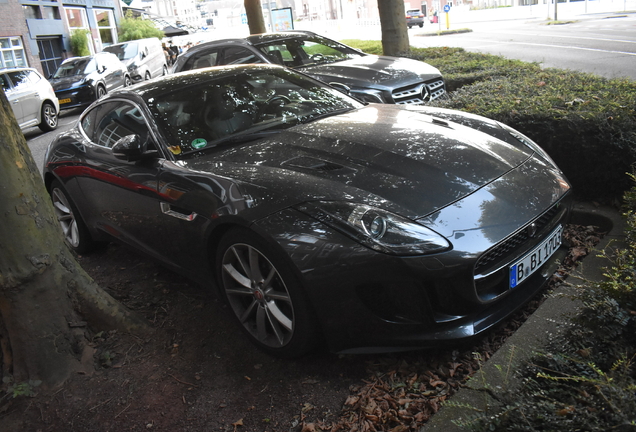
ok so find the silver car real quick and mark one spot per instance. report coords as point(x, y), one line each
point(32, 98)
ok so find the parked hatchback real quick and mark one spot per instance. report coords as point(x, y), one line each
point(32, 98)
point(370, 78)
point(414, 17)
point(79, 81)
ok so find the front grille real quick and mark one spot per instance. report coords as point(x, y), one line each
point(412, 95)
point(506, 248)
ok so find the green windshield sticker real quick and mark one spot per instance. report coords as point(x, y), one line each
point(199, 143)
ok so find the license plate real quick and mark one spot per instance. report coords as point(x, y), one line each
point(63, 101)
point(533, 260)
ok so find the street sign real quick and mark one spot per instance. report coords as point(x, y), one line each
point(128, 2)
point(446, 8)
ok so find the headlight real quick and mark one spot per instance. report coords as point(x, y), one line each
point(527, 141)
point(376, 228)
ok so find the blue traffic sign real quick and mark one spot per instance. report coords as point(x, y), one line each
point(446, 8)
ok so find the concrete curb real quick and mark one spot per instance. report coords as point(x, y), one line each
point(546, 322)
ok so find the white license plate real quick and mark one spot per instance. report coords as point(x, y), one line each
point(533, 260)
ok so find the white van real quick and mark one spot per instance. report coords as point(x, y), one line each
point(143, 57)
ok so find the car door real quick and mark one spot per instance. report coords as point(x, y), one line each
point(25, 95)
point(12, 96)
point(120, 197)
point(113, 75)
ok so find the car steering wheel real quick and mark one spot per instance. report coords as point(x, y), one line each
point(317, 57)
point(279, 98)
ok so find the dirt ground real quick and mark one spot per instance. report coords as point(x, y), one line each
point(198, 372)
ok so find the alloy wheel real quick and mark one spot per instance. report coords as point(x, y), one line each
point(258, 296)
point(65, 217)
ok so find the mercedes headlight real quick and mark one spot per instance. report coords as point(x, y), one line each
point(376, 228)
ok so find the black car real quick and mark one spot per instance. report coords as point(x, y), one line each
point(370, 78)
point(316, 216)
point(78, 81)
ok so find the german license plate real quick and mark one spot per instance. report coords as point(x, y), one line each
point(63, 101)
point(533, 260)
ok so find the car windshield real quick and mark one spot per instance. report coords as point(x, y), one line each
point(243, 106)
point(123, 51)
point(81, 66)
point(307, 51)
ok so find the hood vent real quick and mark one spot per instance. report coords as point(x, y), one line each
point(317, 165)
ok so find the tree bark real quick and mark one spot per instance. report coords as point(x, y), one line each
point(47, 301)
point(254, 14)
point(395, 36)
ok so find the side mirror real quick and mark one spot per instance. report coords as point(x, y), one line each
point(131, 149)
point(341, 87)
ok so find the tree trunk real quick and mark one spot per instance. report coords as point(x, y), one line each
point(255, 19)
point(47, 301)
point(395, 36)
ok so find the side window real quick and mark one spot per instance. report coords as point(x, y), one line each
point(19, 79)
point(4, 81)
point(278, 54)
point(34, 77)
point(238, 55)
point(202, 60)
point(88, 123)
point(115, 120)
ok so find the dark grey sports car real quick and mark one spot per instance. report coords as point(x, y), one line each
point(371, 227)
point(370, 78)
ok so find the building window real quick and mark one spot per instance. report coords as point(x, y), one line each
point(106, 26)
point(31, 12)
point(12, 52)
point(76, 18)
point(51, 12)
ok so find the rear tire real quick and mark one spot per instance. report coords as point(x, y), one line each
point(101, 91)
point(147, 76)
point(265, 296)
point(49, 117)
point(76, 234)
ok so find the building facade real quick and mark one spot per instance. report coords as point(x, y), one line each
point(36, 33)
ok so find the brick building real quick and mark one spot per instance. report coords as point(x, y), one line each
point(36, 33)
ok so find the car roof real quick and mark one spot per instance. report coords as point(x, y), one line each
point(19, 68)
point(254, 39)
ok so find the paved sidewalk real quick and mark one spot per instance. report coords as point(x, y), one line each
point(545, 322)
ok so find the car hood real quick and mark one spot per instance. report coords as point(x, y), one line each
point(404, 161)
point(374, 71)
point(67, 82)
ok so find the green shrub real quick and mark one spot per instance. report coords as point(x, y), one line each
point(586, 123)
point(79, 42)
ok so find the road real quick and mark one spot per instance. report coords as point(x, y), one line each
point(38, 141)
point(602, 44)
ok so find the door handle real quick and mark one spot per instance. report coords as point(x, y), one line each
point(167, 210)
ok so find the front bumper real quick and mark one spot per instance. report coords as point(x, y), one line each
point(76, 97)
point(371, 302)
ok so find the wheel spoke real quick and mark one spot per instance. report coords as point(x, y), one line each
point(244, 265)
point(238, 277)
point(275, 312)
point(248, 311)
point(255, 268)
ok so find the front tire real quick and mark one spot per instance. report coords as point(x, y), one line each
point(127, 81)
point(75, 232)
point(49, 117)
point(265, 296)
point(101, 91)
point(147, 76)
